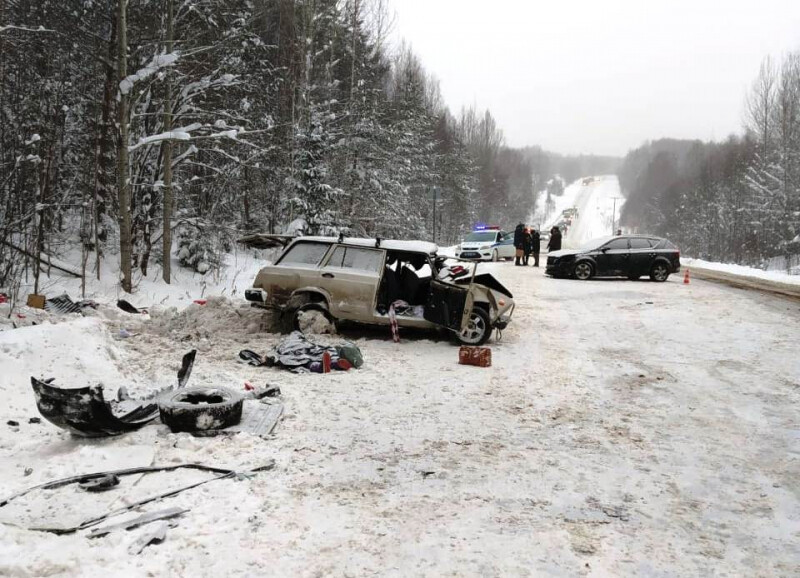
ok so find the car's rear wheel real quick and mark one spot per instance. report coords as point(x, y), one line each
point(478, 329)
point(583, 270)
point(659, 272)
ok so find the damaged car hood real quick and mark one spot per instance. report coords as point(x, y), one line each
point(487, 280)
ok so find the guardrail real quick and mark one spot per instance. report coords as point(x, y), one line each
point(744, 282)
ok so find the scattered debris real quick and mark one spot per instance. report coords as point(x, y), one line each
point(154, 536)
point(258, 419)
point(35, 420)
point(101, 483)
point(222, 474)
point(200, 409)
point(36, 301)
point(12, 423)
point(63, 304)
point(298, 354)
point(128, 308)
point(3, 298)
point(477, 356)
point(85, 412)
point(200, 301)
point(262, 392)
point(139, 521)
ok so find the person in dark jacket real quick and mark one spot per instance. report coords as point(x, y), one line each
point(519, 243)
point(527, 245)
point(536, 244)
point(555, 240)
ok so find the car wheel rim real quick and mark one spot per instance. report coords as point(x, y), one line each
point(660, 273)
point(476, 327)
point(583, 271)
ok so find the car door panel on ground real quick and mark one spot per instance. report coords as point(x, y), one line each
point(351, 276)
point(613, 258)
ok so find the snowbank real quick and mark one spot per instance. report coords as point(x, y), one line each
point(742, 271)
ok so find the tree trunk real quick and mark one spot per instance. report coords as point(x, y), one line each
point(123, 183)
point(167, 225)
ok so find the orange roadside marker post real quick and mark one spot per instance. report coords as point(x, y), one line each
point(686, 277)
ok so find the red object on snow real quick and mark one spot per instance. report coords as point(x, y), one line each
point(21, 316)
point(248, 386)
point(344, 365)
point(686, 277)
point(201, 301)
point(326, 362)
point(3, 298)
point(478, 356)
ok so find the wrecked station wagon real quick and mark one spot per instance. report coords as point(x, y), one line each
point(358, 280)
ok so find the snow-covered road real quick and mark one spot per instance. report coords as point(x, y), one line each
point(625, 429)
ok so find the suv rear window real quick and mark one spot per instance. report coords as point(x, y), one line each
point(357, 259)
point(617, 244)
point(641, 243)
point(305, 253)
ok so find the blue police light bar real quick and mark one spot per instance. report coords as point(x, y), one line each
point(482, 227)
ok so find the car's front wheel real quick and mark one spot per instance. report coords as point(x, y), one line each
point(659, 272)
point(478, 329)
point(583, 270)
point(313, 318)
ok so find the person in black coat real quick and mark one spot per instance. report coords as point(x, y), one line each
point(555, 240)
point(527, 245)
point(519, 243)
point(536, 244)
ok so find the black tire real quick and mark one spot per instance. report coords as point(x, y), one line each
point(659, 272)
point(479, 329)
point(319, 307)
point(200, 409)
point(583, 270)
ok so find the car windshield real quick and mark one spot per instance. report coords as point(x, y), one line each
point(595, 243)
point(481, 237)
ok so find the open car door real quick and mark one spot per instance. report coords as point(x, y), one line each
point(448, 305)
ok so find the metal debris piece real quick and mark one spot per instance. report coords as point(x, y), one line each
point(85, 412)
point(139, 521)
point(223, 474)
point(154, 536)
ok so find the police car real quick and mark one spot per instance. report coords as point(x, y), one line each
point(487, 244)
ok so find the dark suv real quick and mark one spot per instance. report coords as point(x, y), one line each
point(630, 256)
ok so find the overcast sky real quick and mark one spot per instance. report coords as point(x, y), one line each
point(600, 76)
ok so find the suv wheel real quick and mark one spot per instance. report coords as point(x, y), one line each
point(478, 329)
point(659, 272)
point(583, 270)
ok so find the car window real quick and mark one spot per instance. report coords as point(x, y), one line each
point(356, 258)
point(640, 244)
point(309, 254)
point(617, 244)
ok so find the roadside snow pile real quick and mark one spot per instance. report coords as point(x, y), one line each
point(742, 271)
point(218, 317)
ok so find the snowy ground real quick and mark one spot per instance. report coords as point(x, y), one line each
point(625, 428)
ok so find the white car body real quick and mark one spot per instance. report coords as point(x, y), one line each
point(491, 245)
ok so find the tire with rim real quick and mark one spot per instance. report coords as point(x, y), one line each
point(478, 329)
point(495, 256)
point(659, 273)
point(583, 270)
point(320, 308)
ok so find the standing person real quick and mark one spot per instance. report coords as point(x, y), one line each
point(519, 243)
point(536, 244)
point(527, 241)
point(555, 240)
